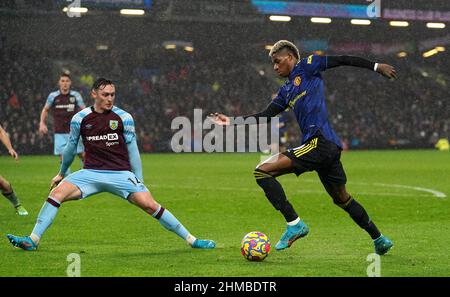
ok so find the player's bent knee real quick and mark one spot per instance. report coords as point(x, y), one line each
point(342, 202)
point(145, 201)
point(5, 186)
point(259, 174)
point(152, 206)
point(65, 192)
point(265, 167)
point(150, 209)
point(58, 195)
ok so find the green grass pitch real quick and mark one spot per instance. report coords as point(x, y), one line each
point(215, 196)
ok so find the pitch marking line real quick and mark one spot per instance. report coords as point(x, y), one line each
point(433, 192)
point(420, 189)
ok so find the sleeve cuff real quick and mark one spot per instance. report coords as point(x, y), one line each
point(278, 104)
point(375, 67)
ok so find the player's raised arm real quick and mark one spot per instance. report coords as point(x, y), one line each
point(271, 110)
point(384, 69)
point(5, 140)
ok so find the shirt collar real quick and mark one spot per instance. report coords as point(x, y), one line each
point(294, 71)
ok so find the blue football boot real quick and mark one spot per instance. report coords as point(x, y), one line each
point(382, 245)
point(291, 234)
point(203, 244)
point(24, 243)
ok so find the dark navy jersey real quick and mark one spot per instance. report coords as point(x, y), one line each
point(303, 92)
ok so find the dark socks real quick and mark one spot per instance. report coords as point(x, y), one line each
point(12, 198)
point(275, 193)
point(360, 216)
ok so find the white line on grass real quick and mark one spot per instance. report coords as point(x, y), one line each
point(240, 189)
point(434, 192)
point(420, 189)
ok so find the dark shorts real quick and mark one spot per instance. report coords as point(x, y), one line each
point(321, 155)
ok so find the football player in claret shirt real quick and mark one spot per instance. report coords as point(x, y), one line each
point(112, 164)
point(320, 148)
point(63, 104)
point(5, 186)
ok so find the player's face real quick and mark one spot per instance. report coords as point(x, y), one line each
point(283, 63)
point(64, 83)
point(104, 97)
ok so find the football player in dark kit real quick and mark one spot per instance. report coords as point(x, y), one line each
point(112, 164)
point(321, 148)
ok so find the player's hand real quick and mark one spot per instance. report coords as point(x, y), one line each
point(43, 128)
point(55, 181)
point(14, 154)
point(219, 119)
point(387, 71)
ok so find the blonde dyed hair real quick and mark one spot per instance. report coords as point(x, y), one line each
point(284, 44)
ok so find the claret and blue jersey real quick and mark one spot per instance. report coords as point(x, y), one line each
point(112, 162)
point(303, 92)
point(64, 107)
point(105, 137)
point(109, 139)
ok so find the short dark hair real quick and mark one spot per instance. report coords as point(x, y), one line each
point(65, 75)
point(101, 82)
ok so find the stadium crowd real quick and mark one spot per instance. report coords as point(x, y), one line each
point(366, 110)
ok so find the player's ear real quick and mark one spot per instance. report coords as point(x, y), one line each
point(93, 94)
point(291, 56)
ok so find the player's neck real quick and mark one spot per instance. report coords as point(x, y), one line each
point(64, 92)
point(292, 67)
point(98, 109)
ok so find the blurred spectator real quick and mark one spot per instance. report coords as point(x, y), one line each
point(366, 110)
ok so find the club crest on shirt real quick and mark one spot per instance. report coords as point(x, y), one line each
point(72, 99)
point(297, 81)
point(113, 124)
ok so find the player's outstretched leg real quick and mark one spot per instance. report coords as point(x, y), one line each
point(146, 202)
point(64, 192)
point(359, 215)
point(265, 177)
point(9, 194)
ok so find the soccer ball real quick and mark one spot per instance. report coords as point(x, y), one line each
point(255, 246)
